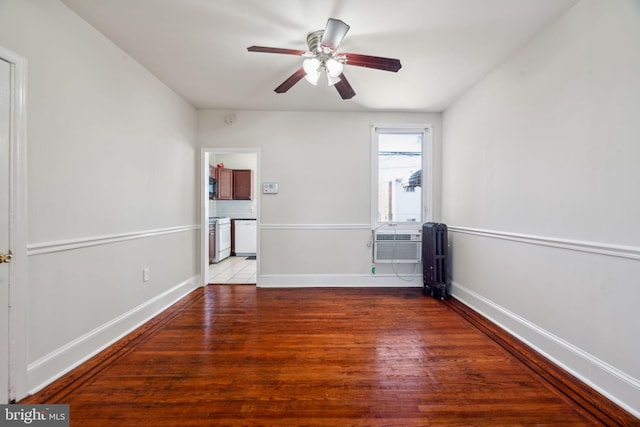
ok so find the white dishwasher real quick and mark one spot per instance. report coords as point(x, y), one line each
point(246, 236)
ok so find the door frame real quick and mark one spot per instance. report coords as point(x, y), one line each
point(204, 205)
point(18, 272)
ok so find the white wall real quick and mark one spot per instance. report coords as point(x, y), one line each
point(540, 174)
point(112, 188)
point(315, 231)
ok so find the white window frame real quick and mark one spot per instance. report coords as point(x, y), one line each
point(427, 178)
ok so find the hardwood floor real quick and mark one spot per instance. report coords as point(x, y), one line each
point(238, 355)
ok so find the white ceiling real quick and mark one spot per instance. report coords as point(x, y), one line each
point(199, 47)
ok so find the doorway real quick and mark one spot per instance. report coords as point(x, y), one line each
point(240, 266)
point(13, 227)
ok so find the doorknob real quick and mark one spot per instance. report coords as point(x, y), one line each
point(6, 258)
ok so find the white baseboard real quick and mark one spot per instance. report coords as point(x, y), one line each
point(338, 280)
point(50, 367)
point(619, 387)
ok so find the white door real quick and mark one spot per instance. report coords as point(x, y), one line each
point(5, 111)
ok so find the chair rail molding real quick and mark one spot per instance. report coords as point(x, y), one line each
point(65, 245)
point(315, 226)
point(621, 251)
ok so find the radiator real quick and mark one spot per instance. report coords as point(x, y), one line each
point(397, 247)
point(435, 262)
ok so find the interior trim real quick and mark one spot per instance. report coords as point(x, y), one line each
point(316, 226)
point(621, 251)
point(403, 280)
point(66, 245)
point(18, 225)
point(595, 374)
point(52, 366)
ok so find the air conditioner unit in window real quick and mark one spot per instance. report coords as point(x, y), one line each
point(397, 246)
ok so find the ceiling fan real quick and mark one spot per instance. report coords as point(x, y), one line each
point(323, 55)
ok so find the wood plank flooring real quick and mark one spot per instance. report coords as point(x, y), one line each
point(240, 355)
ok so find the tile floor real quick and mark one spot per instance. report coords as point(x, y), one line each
point(235, 269)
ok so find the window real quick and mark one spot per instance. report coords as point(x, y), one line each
point(400, 182)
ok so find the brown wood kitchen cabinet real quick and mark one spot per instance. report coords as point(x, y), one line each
point(242, 184)
point(224, 177)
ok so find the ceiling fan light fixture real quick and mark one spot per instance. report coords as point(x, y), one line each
point(311, 67)
point(334, 68)
point(313, 78)
point(332, 80)
point(323, 55)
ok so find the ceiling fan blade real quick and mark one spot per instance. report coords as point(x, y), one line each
point(344, 88)
point(333, 34)
point(275, 50)
point(293, 79)
point(377, 62)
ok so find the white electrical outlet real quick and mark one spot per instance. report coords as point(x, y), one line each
point(145, 274)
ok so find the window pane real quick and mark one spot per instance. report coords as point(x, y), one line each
point(400, 177)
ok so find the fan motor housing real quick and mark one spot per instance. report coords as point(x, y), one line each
point(314, 41)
